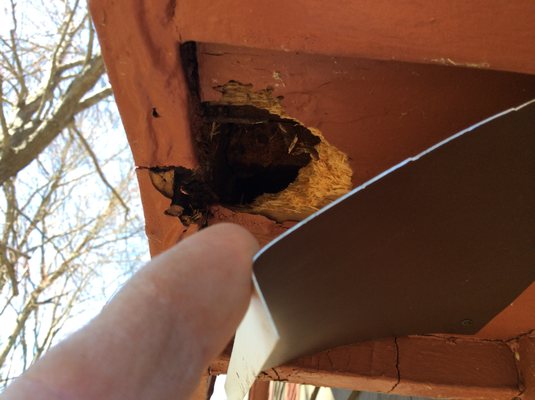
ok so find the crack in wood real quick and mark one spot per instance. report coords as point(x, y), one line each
point(397, 366)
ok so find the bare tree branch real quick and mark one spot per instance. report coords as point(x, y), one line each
point(94, 158)
point(15, 159)
point(20, 71)
point(90, 42)
point(3, 122)
point(92, 100)
point(61, 215)
point(17, 252)
point(57, 56)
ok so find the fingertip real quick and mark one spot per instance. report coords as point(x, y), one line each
point(216, 265)
point(235, 234)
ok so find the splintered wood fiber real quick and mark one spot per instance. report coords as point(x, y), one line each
point(324, 179)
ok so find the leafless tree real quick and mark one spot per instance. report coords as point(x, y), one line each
point(50, 74)
point(69, 220)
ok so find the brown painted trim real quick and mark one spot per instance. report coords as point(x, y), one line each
point(259, 391)
point(163, 231)
point(524, 350)
point(456, 368)
point(477, 33)
point(427, 366)
point(140, 49)
point(369, 365)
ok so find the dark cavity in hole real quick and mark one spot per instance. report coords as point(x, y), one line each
point(249, 151)
point(155, 113)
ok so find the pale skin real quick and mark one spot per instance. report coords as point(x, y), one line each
point(155, 338)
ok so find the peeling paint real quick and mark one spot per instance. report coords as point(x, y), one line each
point(449, 61)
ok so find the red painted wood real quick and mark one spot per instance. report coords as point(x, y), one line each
point(441, 367)
point(525, 356)
point(259, 391)
point(139, 46)
point(456, 368)
point(479, 33)
point(139, 40)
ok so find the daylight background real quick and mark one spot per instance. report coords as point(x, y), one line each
point(71, 229)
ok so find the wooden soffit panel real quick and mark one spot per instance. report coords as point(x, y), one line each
point(479, 33)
